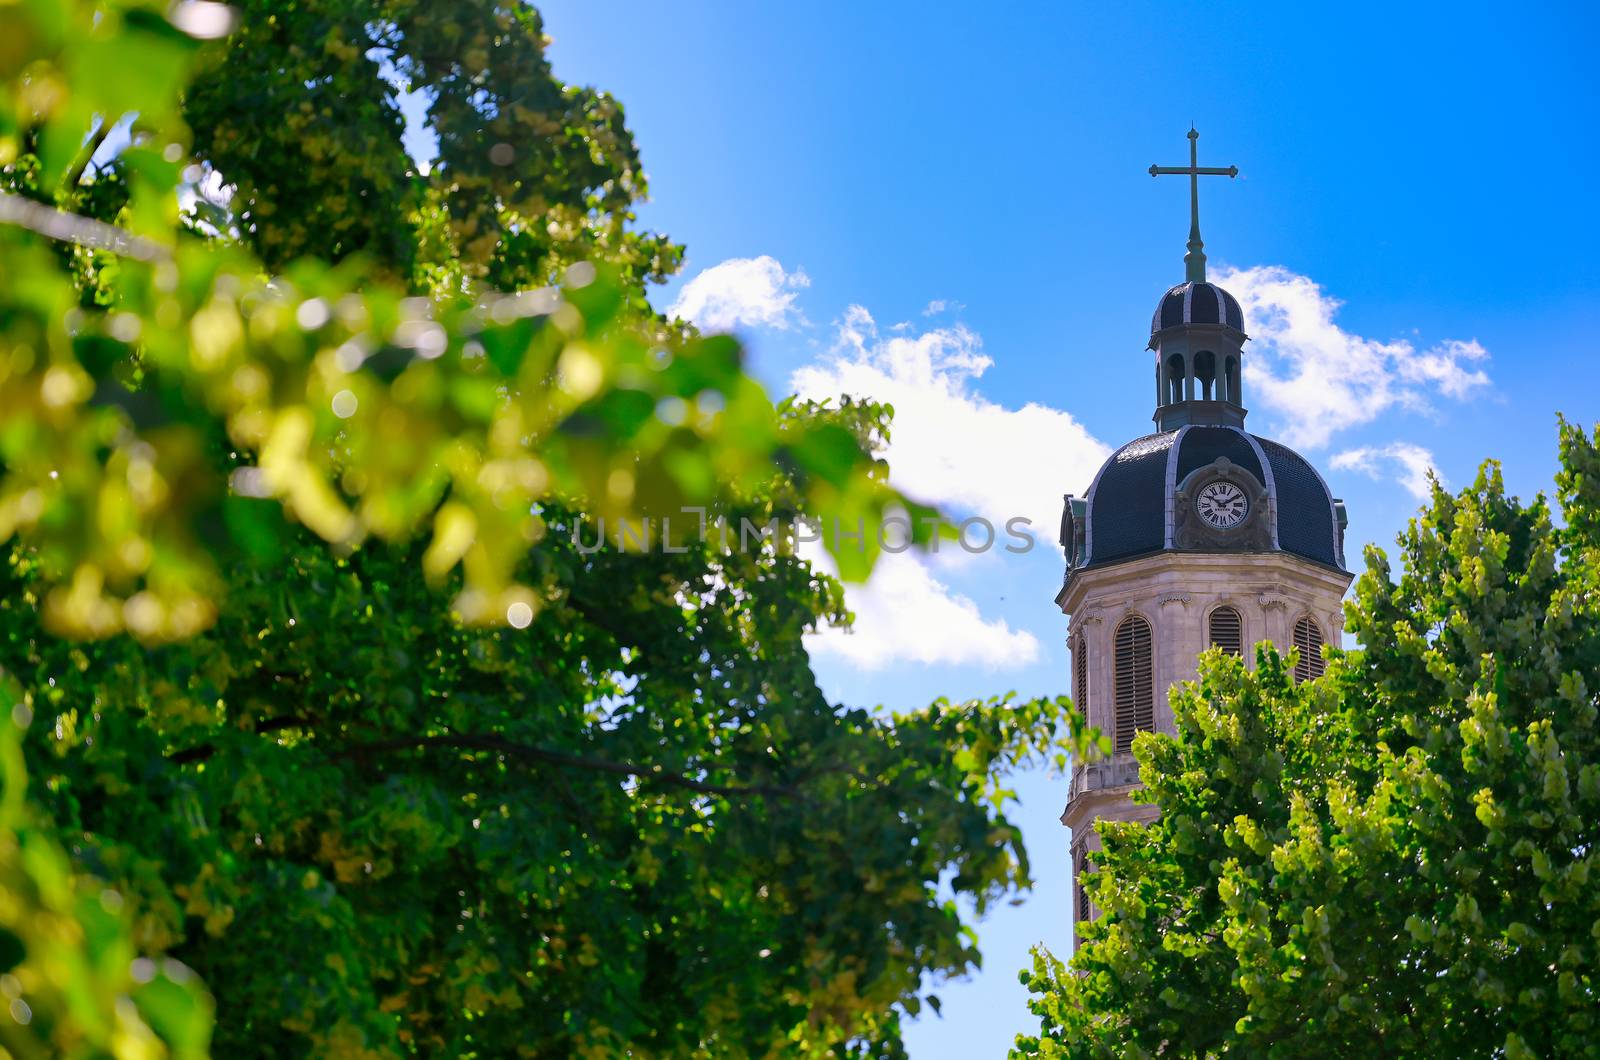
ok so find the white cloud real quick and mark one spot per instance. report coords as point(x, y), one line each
point(1409, 463)
point(755, 292)
point(950, 445)
point(953, 447)
point(905, 614)
point(1322, 379)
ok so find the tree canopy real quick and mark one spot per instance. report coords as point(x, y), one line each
point(300, 110)
point(1397, 859)
point(318, 688)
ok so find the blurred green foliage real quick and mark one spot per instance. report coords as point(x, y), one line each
point(362, 400)
point(72, 982)
point(1398, 859)
point(316, 693)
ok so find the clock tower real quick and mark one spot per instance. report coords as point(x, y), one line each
point(1200, 534)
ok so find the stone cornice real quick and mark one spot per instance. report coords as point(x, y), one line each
point(1176, 569)
point(1090, 806)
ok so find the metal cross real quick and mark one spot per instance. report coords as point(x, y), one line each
point(1194, 262)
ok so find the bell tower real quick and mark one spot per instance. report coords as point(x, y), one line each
point(1197, 535)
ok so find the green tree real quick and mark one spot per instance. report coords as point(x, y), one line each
point(1396, 859)
point(634, 825)
point(334, 679)
point(299, 111)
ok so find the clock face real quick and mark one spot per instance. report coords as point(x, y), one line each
point(1223, 505)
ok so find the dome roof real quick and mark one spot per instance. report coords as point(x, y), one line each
point(1197, 303)
point(1133, 506)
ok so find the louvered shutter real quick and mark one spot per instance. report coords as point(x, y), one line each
point(1135, 684)
point(1080, 897)
point(1080, 675)
point(1308, 639)
point(1227, 631)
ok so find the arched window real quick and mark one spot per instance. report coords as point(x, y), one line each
point(1080, 675)
point(1080, 903)
point(1230, 380)
point(1205, 373)
point(1227, 631)
point(1175, 374)
point(1135, 684)
point(1308, 638)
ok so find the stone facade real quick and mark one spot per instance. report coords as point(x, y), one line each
point(1176, 592)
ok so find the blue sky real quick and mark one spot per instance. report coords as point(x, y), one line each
point(1410, 232)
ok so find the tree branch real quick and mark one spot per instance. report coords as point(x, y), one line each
point(527, 752)
point(71, 228)
point(86, 155)
point(645, 774)
point(203, 751)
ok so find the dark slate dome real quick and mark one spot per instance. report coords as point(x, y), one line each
point(1197, 303)
point(1131, 507)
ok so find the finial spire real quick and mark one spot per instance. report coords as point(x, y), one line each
point(1194, 262)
